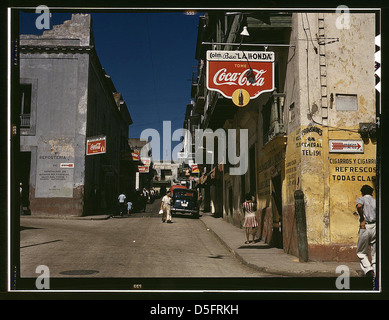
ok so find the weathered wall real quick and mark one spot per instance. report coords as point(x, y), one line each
point(102, 170)
point(61, 89)
point(58, 73)
point(330, 181)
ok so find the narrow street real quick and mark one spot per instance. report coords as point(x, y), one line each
point(136, 246)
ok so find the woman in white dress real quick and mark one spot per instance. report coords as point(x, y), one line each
point(250, 218)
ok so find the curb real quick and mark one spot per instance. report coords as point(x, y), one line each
point(272, 271)
point(96, 217)
point(251, 265)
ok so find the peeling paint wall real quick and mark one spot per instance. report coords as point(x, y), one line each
point(61, 111)
point(58, 144)
point(330, 181)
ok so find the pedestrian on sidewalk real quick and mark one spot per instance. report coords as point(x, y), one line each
point(122, 203)
point(129, 207)
point(366, 207)
point(165, 207)
point(145, 196)
point(250, 218)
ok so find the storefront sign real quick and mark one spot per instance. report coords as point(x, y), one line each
point(95, 145)
point(135, 155)
point(143, 169)
point(346, 146)
point(67, 165)
point(195, 168)
point(146, 161)
point(352, 169)
point(240, 75)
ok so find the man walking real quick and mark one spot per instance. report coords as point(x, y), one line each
point(165, 206)
point(366, 207)
point(122, 203)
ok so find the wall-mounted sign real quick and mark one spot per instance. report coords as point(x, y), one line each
point(143, 169)
point(55, 167)
point(135, 155)
point(240, 75)
point(195, 168)
point(67, 165)
point(346, 146)
point(95, 145)
point(146, 161)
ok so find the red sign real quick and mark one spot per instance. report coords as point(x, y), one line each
point(143, 169)
point(95, 145)
point(195, 168)
point(240, 75)
point(67, 165)
point(135, 155)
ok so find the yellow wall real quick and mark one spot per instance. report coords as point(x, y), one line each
point(331, 182)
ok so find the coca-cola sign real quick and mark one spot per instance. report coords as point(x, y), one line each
point(95, 145)
point(240, 75)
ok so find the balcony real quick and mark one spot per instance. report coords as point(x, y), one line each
point(273, 117)
point(25, 121)
point(276, 130)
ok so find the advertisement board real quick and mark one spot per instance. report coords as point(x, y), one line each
point(240, 75)
point(95, 145)
point(143, 169)
point(346, 146)
point(135, 155)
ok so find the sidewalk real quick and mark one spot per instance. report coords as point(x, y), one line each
point(268, 259)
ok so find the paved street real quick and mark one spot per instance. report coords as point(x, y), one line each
point(136, 246)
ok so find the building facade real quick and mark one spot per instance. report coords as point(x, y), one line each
point(313, 135)
point(67, 100)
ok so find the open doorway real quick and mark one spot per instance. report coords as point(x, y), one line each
point(24, 182)
point(277, 239)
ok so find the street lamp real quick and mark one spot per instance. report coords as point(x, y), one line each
point(245, 32)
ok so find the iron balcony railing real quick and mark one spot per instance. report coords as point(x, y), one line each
point(25, 120)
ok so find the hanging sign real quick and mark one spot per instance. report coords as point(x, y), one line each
point(135, 155)
point(195, 168)
point(143, 169)
point(95, 145)
point(240, 75)
point(346, 146)
point(146, 161)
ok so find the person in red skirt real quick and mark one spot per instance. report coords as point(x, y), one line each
point(250, 219)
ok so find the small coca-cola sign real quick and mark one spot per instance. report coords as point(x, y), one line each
point(95, 145)
point(240, 75)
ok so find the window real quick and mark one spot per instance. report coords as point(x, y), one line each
point(292, 112)
point(25, 106)
point(346, 102)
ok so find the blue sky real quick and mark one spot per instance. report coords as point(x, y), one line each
point(150, 58)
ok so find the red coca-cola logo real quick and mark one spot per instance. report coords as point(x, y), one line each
point(254, 77)
point(248, 77)
point(96, 146)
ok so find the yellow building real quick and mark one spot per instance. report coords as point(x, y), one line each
point(314, 134)
point(329, 95)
